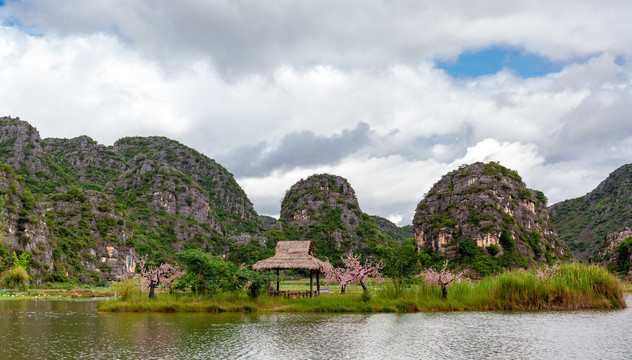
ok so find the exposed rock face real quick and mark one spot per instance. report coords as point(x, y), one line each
point(303, 201)
point(21, 147)
point(120, 264)
point(617, 252)
point(584, 222)
point(323, 208)
point(222, 190)
point(478, 202)
point(85, 158)
point(85, 210)
point(613, 240)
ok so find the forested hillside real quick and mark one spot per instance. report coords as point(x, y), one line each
point(87, 211)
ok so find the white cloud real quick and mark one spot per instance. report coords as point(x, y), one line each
point(249, 36)
point(228, 76)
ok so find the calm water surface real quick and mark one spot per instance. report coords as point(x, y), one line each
point(74, 330)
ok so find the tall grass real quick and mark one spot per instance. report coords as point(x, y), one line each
point(127, 289)
point(572, 286)
point(14, 277)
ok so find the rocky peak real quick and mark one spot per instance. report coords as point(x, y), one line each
point(214, 179)
point(481, 202)
point(324, 208)
point(305, 201)
point(21, 146)
point(85, 158)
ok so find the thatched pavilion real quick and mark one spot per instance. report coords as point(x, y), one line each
point(295, 255)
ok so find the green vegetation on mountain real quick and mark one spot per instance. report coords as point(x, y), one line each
point(583, 223)
point(86, 211)
point(483, 217)
point(397, 233)
point(622, 259)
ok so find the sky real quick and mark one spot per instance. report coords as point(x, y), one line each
point(389, 95)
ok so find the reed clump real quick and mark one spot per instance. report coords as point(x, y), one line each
point(571, 286)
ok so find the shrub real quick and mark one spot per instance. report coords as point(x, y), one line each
point(492, 250)
point(258, 282)
point(507, 241)
point(468, 248)
point(14, 277)
point(622, 259)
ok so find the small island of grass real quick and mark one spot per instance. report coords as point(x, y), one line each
point(568, 287)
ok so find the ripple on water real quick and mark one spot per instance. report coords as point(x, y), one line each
point(65, 333)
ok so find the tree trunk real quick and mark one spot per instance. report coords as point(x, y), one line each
point(152, 286)
point(444, 290)
point(363, 286)
point(342, 289)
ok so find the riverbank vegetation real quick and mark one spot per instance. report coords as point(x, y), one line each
point(58, 291)
point(567, 287)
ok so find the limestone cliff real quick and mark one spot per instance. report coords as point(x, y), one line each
point(482, 202)
point(86, 211)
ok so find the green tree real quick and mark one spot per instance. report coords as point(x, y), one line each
point(402, 262)
point(21, 261)
point(209, 274)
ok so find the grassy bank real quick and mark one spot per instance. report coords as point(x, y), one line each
point(224, 302)
point(574, 286)
point(57, 291)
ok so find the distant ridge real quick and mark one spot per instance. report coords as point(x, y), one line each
point(584, 222)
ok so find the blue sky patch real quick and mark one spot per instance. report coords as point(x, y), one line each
point(29, 30)
point(492, 60)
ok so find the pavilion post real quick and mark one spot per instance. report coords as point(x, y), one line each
point(277, 280)
point(269, 285)
point(318, 281)
point(311, 283)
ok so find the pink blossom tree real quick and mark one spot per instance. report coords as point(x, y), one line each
point(443, 278)
point(152, 277)
point(547, 273)
point(353, 272)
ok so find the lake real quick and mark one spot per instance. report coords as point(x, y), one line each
point(50, 329)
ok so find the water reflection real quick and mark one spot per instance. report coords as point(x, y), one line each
point(63, 329)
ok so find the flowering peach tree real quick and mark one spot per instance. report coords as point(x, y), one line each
point(548, 272)
point(152, 277)
point(353, 272)
point(443, 278)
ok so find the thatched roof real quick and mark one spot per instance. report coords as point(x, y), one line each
point(293, 255)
